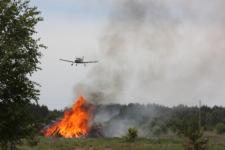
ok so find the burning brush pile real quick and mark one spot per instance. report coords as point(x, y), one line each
point(76, 122)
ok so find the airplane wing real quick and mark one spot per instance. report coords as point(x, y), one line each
point(89, 62)
point(67, 60)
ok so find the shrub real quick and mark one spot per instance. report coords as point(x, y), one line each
point(188, 127)
point(33, 141)
point(220, 128)
point(131, 135)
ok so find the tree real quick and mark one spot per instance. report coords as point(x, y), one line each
point(19, 59)
point(220, 128)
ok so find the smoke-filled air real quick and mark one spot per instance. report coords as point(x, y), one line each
point(165, 51)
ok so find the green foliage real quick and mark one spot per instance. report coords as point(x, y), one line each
point(220, 128)
point(188, 127)
point(19, 58)
point(158, 127)
point(131, 135)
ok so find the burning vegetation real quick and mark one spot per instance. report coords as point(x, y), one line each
point(76, 121)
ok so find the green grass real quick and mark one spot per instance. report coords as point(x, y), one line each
point(215, 143)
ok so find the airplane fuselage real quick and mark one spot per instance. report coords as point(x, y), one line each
point(79, 61)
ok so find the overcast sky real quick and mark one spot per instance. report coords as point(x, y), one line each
point(74, 28)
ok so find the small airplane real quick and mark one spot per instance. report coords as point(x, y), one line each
point(78, 61)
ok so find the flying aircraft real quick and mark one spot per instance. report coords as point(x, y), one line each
point(78, 60)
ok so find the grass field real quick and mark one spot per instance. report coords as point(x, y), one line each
point(216, 142)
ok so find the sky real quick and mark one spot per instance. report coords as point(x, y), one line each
point(169, 52)
point(69, 30)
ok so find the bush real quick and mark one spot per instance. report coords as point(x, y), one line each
point(188, 127)
point(220, 128)
point(33, 141)
point(131, 135)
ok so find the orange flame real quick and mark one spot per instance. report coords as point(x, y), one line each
point(75, 122)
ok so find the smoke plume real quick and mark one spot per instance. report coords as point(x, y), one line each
point(163, 51)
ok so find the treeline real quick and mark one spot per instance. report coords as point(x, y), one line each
point(150, 119)
point(43, 116)
point(155, 119)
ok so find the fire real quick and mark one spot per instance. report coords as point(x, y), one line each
point(75, 122)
